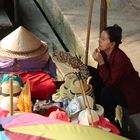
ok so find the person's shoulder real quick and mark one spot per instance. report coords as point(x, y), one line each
point(120, 52)
point(121, 55)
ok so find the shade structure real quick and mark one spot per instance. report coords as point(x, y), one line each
point(30, 126)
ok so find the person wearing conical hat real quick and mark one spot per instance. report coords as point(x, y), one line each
point(119, 80)
point(22, 53)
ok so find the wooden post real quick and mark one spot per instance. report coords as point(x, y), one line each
point(103, 15)
point(16, 13)
point(11, 96)
point(88, 31)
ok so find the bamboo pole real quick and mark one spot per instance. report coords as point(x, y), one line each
point(103, 15)
point(11, 96)
point(86, 102)
point(88, 31)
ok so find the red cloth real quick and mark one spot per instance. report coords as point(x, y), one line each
point(3, 113)
point(51, 109)
point(41, 83)
point(106, 124)
point(120, 72)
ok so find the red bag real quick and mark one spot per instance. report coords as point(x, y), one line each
point(41, 83)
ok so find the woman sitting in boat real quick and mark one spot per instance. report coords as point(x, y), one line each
point(120, 82)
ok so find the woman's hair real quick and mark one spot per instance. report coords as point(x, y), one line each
point(115, 34)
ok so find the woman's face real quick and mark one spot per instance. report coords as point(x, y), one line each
point(104, 42)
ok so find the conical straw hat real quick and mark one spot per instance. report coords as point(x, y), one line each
point(22, 44)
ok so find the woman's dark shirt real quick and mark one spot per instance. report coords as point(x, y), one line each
point(119, 72)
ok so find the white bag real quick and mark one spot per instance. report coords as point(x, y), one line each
point(73, 107)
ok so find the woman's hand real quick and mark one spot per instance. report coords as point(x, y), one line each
point(98, 57)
